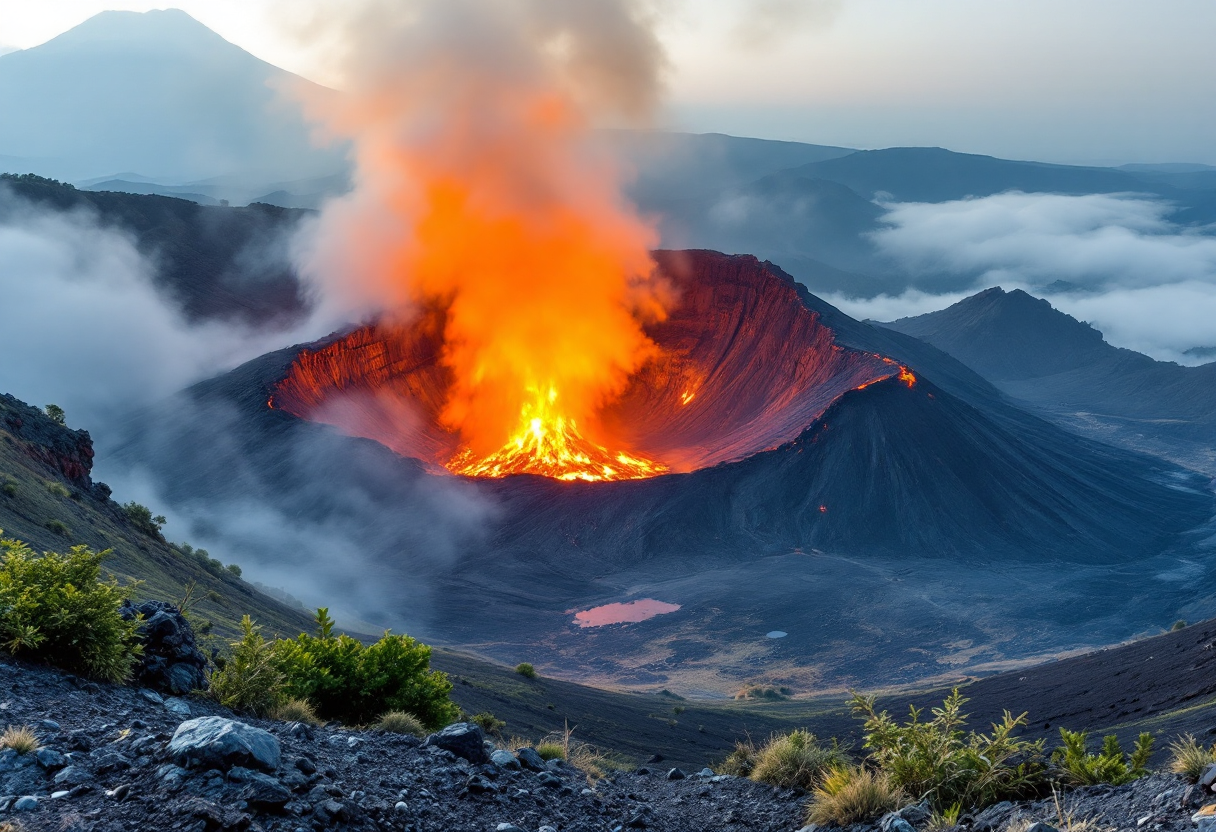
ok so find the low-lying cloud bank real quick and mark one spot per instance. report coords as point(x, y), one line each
point(1115, 260)
point(85, 327)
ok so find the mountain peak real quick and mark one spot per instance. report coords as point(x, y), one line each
point(167, 28)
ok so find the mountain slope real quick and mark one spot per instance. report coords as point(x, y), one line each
point(1040, 355)
point(157, 93)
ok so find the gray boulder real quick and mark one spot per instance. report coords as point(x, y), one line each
point(216, 742)
point(529, 759)
point(505, 759)
point(260, 789)
point(463, 739)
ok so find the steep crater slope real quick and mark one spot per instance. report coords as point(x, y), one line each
point(893, 529)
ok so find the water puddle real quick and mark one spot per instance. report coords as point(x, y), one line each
point(777, 634)
point(628, 613)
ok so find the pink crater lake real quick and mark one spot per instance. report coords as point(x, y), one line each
point(628, 613)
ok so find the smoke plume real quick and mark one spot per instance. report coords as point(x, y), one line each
point(479, 188)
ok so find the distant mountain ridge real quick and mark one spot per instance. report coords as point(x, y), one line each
point(1040, 355)
point(158, 93)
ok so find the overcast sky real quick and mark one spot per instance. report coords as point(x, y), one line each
point(1088, 81)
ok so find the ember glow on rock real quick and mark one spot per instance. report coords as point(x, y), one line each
point(628, 613)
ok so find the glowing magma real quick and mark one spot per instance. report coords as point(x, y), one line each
point(740, 365)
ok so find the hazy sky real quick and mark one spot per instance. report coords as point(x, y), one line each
point(1094, 81)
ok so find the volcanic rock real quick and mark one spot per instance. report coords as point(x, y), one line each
point(171, 662)
point(464, 739)
point(216, 742)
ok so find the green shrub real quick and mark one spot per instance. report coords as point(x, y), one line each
point(488, 722)
point(345, 680)
point(551, 750)
point(57, 609)
point(141, 518)
point(10, 488)
point(1180, 624)
point(852, 794)
point(769, 693)
point(20, 738)
point(294, 710)
point(1080, 768)
point(399, 722)
point(796, 761)
point(234, 569)
point(937, 761)
point(58, 489)
point(1189, 758)
point(56, 414)
point(249, 679)
point(526, 670)
point(740, 761)
point(58, 527)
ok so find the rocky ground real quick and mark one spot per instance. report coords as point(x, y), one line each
point(122, 758)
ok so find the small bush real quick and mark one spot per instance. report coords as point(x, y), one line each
point(551, 750)
point(294, 710)
point(250, 680)
point(1080, 768)
point(399, 722)
point(796, 761)
point(526, 670)
point(20, 738)
point(10, 488)
point(1180, 624)
point(851, 794)
point(1189, 758)
point(58, 489)
point(234, 569)
point(936, 760)
point(58, 527)
point(55, 413)
point(345, 680)
point(488, 722)
point(57, 609)
point(141, 518)
point(740, 761)
point(769, 693)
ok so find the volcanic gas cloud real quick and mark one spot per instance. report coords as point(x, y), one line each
point(484, 215)
point(523, 325)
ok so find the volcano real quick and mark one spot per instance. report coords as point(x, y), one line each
point(852, 488)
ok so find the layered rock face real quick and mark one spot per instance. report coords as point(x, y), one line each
point(70, 452)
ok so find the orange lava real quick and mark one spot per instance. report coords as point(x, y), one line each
point(548, 443)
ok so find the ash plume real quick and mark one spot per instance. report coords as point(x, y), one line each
point(478, 186)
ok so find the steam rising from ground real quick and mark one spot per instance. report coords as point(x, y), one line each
point(479, 187)
point(86, 329)
point(1114, 260)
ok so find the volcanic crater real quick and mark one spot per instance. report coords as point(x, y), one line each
point(741, 366)
point(896, 527)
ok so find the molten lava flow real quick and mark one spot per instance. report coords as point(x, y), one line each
point(548, 443)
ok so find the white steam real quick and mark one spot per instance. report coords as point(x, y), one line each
point(1115, 260)
point(85, 327)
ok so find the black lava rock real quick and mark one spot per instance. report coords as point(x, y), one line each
point(171, 661)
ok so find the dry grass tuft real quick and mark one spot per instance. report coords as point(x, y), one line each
point(21, 739)
point(851, 794)
point(295, 710)
point(796, 761)
point(741, 761)
point(1189, 758)
point(399, 722)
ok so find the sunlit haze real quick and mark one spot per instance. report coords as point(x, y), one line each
point(1088, 81)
